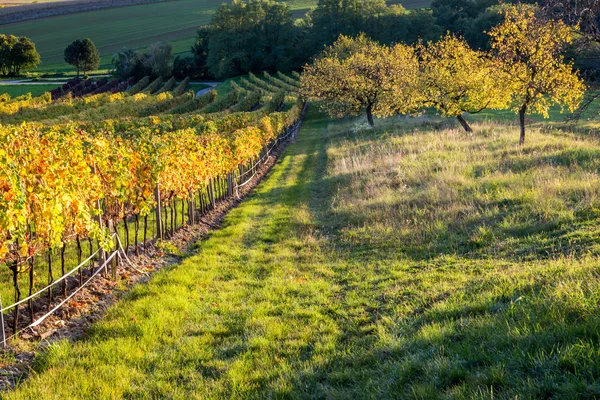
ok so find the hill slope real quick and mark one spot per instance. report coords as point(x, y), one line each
point(134, 26)
point(409, 261)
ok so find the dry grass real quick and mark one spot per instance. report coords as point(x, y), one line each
point(445, 186)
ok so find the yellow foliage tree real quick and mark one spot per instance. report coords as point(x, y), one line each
point(356, 74)
point(456, 79)
point(528, 49)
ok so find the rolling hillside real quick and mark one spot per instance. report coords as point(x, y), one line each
point(135, 26)
point(407, 261)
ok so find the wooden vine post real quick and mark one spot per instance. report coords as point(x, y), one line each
point(101, 253)
point(115, 262)
point(159, 230)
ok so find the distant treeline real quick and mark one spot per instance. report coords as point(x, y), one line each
point(259, 35)
point(26, 12)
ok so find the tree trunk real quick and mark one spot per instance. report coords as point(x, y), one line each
point(464, 123)
point(522, 111)
point(370, 115)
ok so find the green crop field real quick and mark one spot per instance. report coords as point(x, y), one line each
point(134, 26)
point(409, 261)
point(35, 90)
point(112, 29)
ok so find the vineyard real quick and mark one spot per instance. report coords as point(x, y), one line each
point(95, 172)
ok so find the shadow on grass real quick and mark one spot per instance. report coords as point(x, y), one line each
point(441, 315)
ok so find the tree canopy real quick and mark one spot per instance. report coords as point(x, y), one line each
point(247, 36)
point(357, 74)
point(83, 55)
point(17, 54)
point(155, 62)
point(456, 79)
point(529, 49)
point(525, 70)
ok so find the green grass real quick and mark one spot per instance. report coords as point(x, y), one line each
point(407, 261)
point(18, 90)
point(408, 4)
point(196, 87)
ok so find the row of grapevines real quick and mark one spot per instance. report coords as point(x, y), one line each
point(97, 107)
point(139, 86)
point(134, 105)
point(249, 102)
point(246, 84)
point(29, 108)
point(288, 80)
point(13, 106)
point(224, 102)
point(262, 83)
point(170, 84)
point(153, 86)
point(169, 104)
point(194, 104)
point(57, 178)
point(279, 83)
point(181, 88)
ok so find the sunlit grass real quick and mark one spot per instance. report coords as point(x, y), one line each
point(407, 261)
point(18, 90)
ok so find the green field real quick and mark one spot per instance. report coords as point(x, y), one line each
point(113, 29)
point(134, 26)
point(35, 90)
point(407, 261)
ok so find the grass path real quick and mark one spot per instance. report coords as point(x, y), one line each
point(240, 317)
point(364, 268)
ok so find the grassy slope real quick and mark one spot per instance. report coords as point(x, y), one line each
point(400, 262)
point(112, 29)
point(134, 26)
point(35, 90)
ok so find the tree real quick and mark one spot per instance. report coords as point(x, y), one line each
point(124, 62)
point(184, 67)
point(157, 60)
point(24, 55)
point(200, 51)
point(584, 15)
point(529, 51)
point(476, 33)
point(356, 74)
point(332, 18)
point(249, 36)
point(17, 54)
point(6, 44)
point(456, 79)
point(83, 55)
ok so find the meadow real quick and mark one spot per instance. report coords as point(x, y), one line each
point(113, 29)
point(134, 26)
point(18, 90)
point(411, 260)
